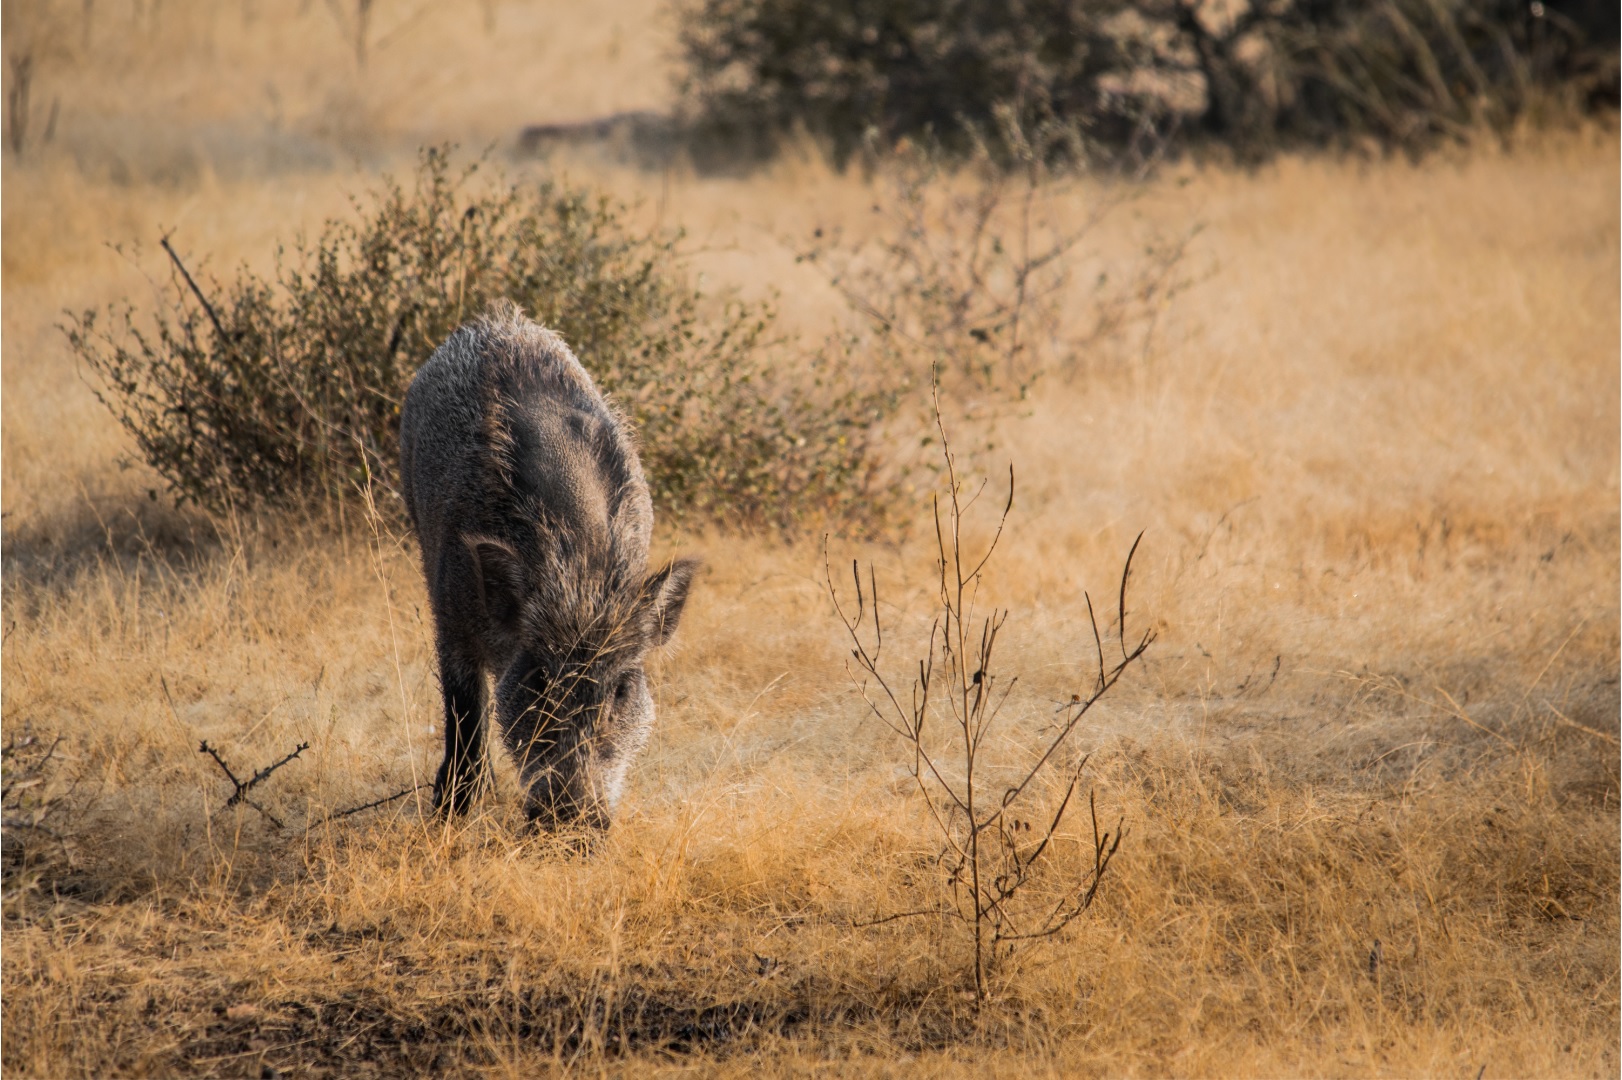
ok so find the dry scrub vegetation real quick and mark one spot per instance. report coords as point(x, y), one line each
point(1368, 768)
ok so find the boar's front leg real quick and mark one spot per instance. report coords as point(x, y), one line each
point(462, 773)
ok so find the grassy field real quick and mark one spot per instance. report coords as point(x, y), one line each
point(1368, 771)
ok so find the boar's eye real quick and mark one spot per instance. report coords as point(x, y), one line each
point(624, 688)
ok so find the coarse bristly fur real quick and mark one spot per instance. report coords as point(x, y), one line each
point(525, 490)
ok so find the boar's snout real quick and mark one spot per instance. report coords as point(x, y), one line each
point(562, 798)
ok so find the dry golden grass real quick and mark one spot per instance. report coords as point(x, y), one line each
point(1375, 450)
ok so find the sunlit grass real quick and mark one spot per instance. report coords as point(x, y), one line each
point(1368, 774)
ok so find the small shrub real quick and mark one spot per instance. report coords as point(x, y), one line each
point(970, 277)
point(288, 391)
point(1004, 881)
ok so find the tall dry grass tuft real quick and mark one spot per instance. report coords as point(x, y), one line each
point(1357, 931)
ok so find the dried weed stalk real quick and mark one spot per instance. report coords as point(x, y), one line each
point(992, 852)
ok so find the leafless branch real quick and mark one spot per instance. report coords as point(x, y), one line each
point(373, 805)
point(898, 915)
point(204, 748)
point(990, 856)
point(191, 284)
point(240, 795)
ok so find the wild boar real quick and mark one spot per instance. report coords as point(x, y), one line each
point(527, 496)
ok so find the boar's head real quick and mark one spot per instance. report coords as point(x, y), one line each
point(573, 702)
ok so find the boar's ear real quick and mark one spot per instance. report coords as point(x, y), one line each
point(663, 596)
point(498, 575)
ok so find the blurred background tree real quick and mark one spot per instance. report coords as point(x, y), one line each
point(1119, 78)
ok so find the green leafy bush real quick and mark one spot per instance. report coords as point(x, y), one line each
point(286, 391)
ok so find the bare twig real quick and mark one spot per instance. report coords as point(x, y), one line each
point(208, 308)
point(898, 915)
point(989, 855)
point(204, 748)
point(410, 789)
point(1126, 572)
point(264, 774)
point(240, 795)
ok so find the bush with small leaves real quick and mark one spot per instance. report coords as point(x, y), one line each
point(286, 392)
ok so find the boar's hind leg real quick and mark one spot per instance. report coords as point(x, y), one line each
point(462, 773)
